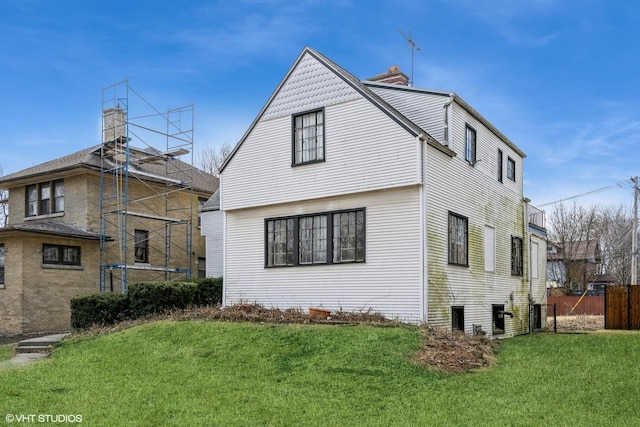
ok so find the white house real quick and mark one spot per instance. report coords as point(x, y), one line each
point(211, 229)
point(373, 195)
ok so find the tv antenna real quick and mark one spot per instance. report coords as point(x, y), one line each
point(414, 47)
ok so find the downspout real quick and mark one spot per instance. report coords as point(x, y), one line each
point(421, 164)
point(525, 230)
point(224, 246)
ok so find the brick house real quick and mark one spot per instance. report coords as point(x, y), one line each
point(57, 240)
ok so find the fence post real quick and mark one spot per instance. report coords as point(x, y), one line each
point(555, 320)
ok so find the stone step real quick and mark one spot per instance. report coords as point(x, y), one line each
point(33, 349)
point(39, 344)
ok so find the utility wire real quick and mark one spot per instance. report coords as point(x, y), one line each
point(588, 193)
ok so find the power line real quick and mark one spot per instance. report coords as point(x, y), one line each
point(588, 193)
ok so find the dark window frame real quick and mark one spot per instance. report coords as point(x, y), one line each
point(61, 254)
point(470, 146)
point(511, 169)
point(318, 138)
point(141, 246)
point(288, 228)
point(517, 267)
point(500, 165)
point(37, 204)
point(3, 262)
point(453, 243)
point(457, 318)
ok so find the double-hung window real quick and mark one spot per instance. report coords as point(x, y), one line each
point(321, 238)
point(45, 198)
point(458, 239)
point(500, 160)
point(308, 137)
point(516, 256)
point(470, 146)
point(60, 254)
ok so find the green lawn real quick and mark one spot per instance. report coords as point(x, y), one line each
point(213, 373)
point(6, 351)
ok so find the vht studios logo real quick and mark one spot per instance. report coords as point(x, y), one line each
point(42, 418)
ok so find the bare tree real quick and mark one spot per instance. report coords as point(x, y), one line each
point(4, 204)
point(616, 224)
point(211, 158)
point(575, 231)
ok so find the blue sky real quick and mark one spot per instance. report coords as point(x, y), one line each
point(560, 78)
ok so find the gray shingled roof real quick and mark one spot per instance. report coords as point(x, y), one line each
point(50, 227)
point(90, 158)
point(213, 204)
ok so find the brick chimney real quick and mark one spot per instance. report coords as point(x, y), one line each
point(393, 75)
point(114, 124)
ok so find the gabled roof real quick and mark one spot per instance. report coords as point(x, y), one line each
point(584, 250)
point(359, 87)
point(213, 204)
point(51, 228)
point(90, 158)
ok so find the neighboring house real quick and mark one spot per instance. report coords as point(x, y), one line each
point(51, 251)
point(212, 227)
point(373, 195)
point(574, 265)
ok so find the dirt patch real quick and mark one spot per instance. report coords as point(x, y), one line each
point(455, 352)
point(578, 322)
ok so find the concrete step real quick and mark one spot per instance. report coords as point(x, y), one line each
point(42, 344)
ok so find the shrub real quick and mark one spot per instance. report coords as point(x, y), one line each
point(155, 297)
point(100, 309)
point(208, 291)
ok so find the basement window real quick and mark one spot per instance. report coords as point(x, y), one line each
point(457, 318)
point(498, 319)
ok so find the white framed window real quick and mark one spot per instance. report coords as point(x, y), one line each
point(534, 260)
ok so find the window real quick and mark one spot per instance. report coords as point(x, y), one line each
point(2, 263)
point(458, 239)
point(348, 236)
point(470, 146)
point(308, 137)
point(457, 318)
point(60, 254)
point(497, 313)
point(511, 169)
point(141, 246)
point(322, 238)
point(500, 160)
point(534, 260)
point(202, 268)
point(313, 239)
point(516, 256)
point(45, 198)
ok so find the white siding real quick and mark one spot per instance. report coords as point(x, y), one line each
point(211, 228)
point(388, 282)
point(424, 109)
point(365, 150)
point(454, 185)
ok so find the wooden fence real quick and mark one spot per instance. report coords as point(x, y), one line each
point(622, 307)
point(593, 306)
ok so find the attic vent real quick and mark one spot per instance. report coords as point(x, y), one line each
point(393, 76)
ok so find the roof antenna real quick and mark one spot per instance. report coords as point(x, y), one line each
point(414, 47)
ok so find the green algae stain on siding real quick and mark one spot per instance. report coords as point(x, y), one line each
point(438, 293)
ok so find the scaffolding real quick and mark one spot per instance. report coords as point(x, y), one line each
point(146, 192)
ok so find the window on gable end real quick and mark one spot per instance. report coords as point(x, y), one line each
point(470, 146)
point(308, 137)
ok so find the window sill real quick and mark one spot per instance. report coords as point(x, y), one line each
point(35, 217)
point(62, 267)
point(1, 286)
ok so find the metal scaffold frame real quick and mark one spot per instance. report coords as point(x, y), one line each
point(146, 193)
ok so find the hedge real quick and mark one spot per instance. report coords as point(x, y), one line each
point(143, 299)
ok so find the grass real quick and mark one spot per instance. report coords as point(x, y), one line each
point(215, 373)
point(6, 351)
